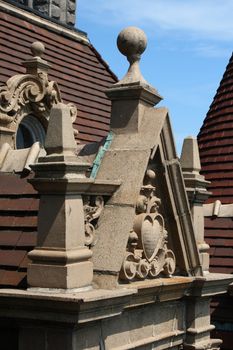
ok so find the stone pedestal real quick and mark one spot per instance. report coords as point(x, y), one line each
point(60, 258)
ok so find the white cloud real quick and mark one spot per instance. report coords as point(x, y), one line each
point(210, 19)
point(209, 50)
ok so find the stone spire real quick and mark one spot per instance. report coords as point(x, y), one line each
point(60, 10)
point(196, 187)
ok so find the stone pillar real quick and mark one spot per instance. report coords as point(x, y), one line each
point(196, 187)
point(198, 325)
point(60, 259)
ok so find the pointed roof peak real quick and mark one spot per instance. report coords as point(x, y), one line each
point(215, 140)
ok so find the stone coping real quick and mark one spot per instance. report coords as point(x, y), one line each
point(84, 295)
point(93, 304)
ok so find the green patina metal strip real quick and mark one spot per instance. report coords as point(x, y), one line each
point(100, 155)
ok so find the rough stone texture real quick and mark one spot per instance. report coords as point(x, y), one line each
point(135, 166)
point(60, 276)
point(55, 12)
point(114, 226)
point(156, 314)
point(61, 10)
point(198, 326)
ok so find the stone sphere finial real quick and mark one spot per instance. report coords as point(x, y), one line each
point(132, 42)
point(37, 49)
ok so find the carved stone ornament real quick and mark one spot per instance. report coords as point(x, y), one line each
point(24, 89)
point(147, 252)
point(30, 93)
point(93, 206)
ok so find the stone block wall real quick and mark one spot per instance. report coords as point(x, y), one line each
point(60, 10)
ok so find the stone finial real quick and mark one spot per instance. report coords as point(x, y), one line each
point(190, 160)
point(60, 143)
point(36, 65)
point(37, 49)
point(132, 94)
point(132, 42)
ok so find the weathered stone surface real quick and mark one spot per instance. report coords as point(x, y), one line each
point(155, 314)
point(113, 232)
point(60, 137)
point(63, 11)
point(55, 12)
point(68, 276)
point(117, 165)
point(152, 123)
point(19, 160)
point(58, 231)
point(56, 2)
point(71, 6)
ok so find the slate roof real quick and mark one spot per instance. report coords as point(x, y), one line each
point(216, 151)
point(83, 77)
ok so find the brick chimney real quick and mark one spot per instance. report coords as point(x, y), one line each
point(60, 10)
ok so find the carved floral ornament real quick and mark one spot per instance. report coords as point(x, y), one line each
point(93, 206)
point(147, 252)
point(30, 93)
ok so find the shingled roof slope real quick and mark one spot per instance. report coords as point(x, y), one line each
point(18, 228)
point(216, 152)
point(79, 70)
point(82, 76)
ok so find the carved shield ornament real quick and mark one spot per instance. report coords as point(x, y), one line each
point(150, 230)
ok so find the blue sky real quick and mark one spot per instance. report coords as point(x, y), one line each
point(189, 46)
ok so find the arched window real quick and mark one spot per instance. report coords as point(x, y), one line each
point(30, 130)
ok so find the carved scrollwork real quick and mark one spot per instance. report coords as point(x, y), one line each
point(147, 252)
point(93, 207)
point(26, 93)
point(24, 89)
